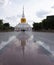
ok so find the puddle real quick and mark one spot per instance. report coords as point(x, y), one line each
point(24, 49)
point(3, 44)
point(27, 39)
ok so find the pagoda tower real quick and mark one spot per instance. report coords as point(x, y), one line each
point(23, 25)
point(23, 19)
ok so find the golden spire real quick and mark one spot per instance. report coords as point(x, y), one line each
point(23, 19)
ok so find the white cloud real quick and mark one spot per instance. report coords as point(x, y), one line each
point(52, 6)
point(34, 9)
point(3, 2)
point(42, 13)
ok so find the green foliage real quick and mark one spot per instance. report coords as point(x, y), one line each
point(46, 24)
point(5, 26)
point(11, 28)
point(50, 20)
point(1, 24)
point(35, 26)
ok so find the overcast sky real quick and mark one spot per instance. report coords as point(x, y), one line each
point(35, 10)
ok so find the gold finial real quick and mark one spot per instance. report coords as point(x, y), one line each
point(23, 19)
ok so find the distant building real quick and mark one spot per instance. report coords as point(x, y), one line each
point(23, 25)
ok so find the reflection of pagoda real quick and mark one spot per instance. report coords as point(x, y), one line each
point(23, 43)
point(23, 25)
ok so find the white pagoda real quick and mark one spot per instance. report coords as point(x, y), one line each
point(23, 25)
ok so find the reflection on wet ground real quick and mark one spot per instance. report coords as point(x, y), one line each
point(22, 49)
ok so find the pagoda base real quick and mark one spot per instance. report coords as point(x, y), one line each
point(23, 27)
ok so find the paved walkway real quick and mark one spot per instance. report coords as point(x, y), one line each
point(23, 50)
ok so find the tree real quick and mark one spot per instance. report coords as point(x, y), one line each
point(44, 24)
point(1, 24)
point(11, 28)
point(6, 26)
point(40, 26)
point(35, 26)
point(50, 20)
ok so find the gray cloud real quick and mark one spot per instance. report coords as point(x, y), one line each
point(2, 2)
point(41, 14)
point(52, 6)
point(12, 20)
point(13, 17)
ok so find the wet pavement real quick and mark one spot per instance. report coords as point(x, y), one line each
point(26, 48)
